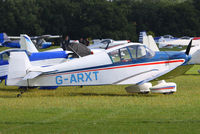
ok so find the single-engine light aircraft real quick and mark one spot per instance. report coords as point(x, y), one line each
point(132, 63)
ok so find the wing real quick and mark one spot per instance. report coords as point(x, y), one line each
point(161, 73)
point(148, 75)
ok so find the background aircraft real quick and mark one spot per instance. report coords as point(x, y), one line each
point(165, 38)
point(46, 58)
point(168, 41)
point(180, 42)
point(39, 41)
point(194, 51)
point(105, 43)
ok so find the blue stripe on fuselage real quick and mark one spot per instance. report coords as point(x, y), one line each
point(47, 55)
point(42, 56)
point(11, 44)
point(3, 77)
point(3, 62)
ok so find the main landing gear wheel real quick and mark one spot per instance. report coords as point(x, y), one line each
point(144, 92)
point(168, 93)
point(19, 95)
point(24, 89)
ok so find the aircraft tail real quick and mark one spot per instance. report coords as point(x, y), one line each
point(150, 43)
point(4, 38)
point(20, 70)
point(19, 64)
point(142, 35)
point(27, 44)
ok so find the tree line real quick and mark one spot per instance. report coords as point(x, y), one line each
point(117, 19)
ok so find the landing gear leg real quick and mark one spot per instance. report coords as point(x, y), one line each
point(24, 89)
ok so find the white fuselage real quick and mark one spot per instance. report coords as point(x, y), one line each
point(97, 69)
point(127, 74)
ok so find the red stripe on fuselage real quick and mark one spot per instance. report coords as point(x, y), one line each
point(117, 67)
point(163, 88)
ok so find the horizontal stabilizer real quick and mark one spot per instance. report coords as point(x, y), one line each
point(20, 70)
point(32, 75)
point(157, 75)
point(19, 63)
point(35, 72)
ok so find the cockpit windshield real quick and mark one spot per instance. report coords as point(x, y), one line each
point(131, 53)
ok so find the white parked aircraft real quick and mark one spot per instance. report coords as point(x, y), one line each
point(194, 52)
point(180, 42)
point(106, 43)
point(131, 63)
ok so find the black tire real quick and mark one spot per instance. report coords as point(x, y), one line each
point(147, 92)
point(168, 93)
point(19, 95)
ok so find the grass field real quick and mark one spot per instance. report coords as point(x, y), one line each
point(102, 109)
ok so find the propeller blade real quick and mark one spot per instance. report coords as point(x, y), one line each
point(188, 47)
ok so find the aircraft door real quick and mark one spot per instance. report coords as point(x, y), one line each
point(133, 51)
point(125, 55)
point(140, 53)
point(121, 55)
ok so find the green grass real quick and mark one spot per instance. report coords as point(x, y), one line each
point(102, 109)
point(4, 48)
